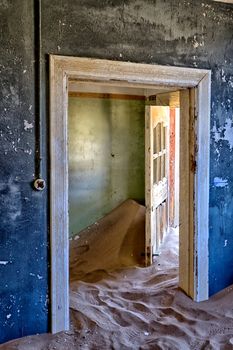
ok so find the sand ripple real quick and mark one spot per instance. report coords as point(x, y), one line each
point(117, 304)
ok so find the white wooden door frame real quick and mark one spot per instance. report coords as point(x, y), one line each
point(62, 69)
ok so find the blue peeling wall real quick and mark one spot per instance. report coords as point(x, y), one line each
point(221, 180)
point(23, 211)
point(182, 33)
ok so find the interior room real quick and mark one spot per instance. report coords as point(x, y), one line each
point(106, 154)
point(107, 213)
point(106, 138)
point(116, 205)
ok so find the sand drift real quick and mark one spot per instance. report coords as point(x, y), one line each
point(116, 303)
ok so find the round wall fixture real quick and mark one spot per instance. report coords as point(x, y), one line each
point(39, 184)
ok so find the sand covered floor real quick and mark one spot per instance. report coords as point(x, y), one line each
point(115, 303)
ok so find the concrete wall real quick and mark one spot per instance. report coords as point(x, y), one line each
point(106, 157)
point(167, 32)
point(23, 211)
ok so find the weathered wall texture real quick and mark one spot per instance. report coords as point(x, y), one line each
point(106, 157)
point(23, 212)
point(168, 32)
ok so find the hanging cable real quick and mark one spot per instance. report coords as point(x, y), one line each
point(39, 183)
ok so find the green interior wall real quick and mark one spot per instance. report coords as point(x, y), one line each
point(106, 157)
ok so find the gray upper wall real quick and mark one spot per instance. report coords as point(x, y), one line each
point(183, 33)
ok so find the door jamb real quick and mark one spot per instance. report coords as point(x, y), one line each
point(63, 68)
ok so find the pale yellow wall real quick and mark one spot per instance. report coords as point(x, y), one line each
point(106, 157)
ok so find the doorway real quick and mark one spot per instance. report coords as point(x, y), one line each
point(194, 167)
point(162, 171)
point(106, 152)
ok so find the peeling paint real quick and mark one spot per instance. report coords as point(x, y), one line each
point(228, 133)
point(27, 125)
point(28, 151)
point(4, 262)
point(224, 132)
point(219, 182)
point(198, 42)
point(13, 200)
point(177, 33)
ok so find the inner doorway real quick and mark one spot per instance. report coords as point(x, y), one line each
point(123, 146)
point(193, 183)
point(162, 183)
point(106, 153)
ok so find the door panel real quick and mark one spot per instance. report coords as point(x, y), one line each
point(157, 121)
point(185, 101)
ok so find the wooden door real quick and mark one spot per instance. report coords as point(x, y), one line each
point(185, 100)
point(156, 153)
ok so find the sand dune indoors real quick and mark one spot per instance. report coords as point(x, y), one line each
point(115, 303)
